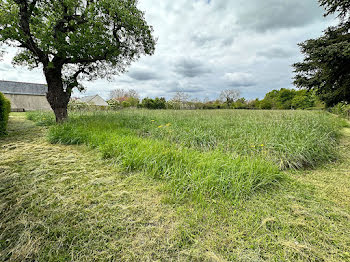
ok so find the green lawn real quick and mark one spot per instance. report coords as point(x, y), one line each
point(65, 202)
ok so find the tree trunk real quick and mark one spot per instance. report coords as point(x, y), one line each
point(57, 97)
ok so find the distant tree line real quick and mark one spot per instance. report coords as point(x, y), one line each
point(228, 99)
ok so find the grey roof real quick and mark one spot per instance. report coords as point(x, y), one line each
point(20, 88)
point(87, 99)
point(94, 100)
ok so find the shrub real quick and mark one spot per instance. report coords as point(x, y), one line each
point(75, 105)
point(157, 103)
point(114, 104)
point(342, 109)
point(5, 108)
point(126, 104)
point(134, 102)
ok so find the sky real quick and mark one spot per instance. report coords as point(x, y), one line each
point(206, 46)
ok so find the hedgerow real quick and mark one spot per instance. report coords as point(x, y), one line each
point(5, 108)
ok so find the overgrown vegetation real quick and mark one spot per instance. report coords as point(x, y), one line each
point(289, 99)
point(341, 109)
point(205, 154)
point(5, 108)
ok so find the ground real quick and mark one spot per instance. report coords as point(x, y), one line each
point(60, 203)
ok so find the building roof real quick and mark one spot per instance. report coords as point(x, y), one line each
point(87, 99)
point(21, 88)
point(94, 100)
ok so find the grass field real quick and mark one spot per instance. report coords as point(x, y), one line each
point(205, 154)
point(65, 203)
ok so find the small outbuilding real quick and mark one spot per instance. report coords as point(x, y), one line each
point(25, 96)
point(95, 100)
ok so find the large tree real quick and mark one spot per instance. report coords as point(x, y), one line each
point(326, 67)
point(74, 40)
point(229, 96)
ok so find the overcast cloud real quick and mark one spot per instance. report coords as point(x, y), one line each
point(205, 46)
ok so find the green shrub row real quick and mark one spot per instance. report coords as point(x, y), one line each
point(5, 108)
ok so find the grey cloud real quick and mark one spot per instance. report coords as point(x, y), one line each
point(239, 79)
point(181, 86)
point(276, 14)
point(228, 41)
point(202, 39)
point(143, 75)
point(191, 68)
point(192, 89)
point(276, 52)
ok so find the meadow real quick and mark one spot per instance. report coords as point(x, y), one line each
point(139, 186)
point(204, 154)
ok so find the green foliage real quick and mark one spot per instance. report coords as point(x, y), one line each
point(326, 66)
point(342, 7)
point(288, 99)
point(133, 101)
point(66, 29)
point(5, 109)
point(240, 103)
point(303, 100)
point(157, 103)
point(76, 105)
point(114, 104)
point(126, 104)
point(341, 109)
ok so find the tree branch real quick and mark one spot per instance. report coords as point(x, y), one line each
point(72, 81)
point(85, 60)
point(25, 14)
point(66, 18)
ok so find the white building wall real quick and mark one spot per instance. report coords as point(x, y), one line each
point(28, 102)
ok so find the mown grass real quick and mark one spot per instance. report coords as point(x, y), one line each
point(205, 154)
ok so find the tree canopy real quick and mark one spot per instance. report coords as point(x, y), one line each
point(229, 96)
point(75, 39)
point(326, 66)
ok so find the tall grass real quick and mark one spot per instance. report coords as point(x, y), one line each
point(206, 154)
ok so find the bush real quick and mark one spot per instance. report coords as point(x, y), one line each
point(76, 105)
point(157, 103)
point(134, 102)
point(5, 108)
point(126, 104)
point(114, 104)
point(342, 109)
